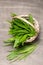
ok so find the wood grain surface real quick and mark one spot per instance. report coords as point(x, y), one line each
point(35, 7)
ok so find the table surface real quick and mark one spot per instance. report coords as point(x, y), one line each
point(35, 7)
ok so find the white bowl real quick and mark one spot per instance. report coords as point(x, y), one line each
point(36, 26)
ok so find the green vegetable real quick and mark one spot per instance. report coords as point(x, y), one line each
point(22, 52)
point(20, 32)
point(13, 14)
point(31, 19)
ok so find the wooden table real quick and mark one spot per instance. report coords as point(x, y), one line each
point(35, 7)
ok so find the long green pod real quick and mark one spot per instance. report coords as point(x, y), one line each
point(23, 52)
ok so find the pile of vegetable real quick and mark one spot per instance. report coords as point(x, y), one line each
point(20, 32)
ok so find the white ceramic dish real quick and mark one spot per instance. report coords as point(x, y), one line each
point(35, 26)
